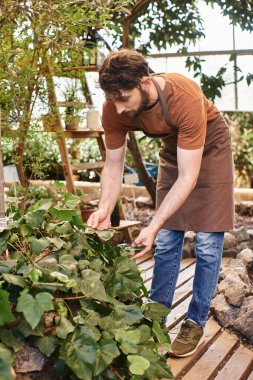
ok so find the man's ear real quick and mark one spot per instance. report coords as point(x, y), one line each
point(145, 82)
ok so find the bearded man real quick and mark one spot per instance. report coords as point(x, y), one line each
point(195, 178)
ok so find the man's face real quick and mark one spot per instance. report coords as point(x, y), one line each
point(131, 102)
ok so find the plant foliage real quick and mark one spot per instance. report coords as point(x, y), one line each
point(90, 290)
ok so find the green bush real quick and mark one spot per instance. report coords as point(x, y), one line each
point(99, 328)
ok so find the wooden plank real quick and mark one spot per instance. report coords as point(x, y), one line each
point(88, 165)
point(83, 134)
point(144, 258)
point(144, 266)
point(182, 365)
point(71, 104)
point(238, 366)
point(126, 224)
point(216, 354)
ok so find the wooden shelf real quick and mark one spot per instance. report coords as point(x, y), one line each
point(126, 224)
point(82, 133)
point(88, 165)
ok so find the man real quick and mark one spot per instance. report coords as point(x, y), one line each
point(195, 179)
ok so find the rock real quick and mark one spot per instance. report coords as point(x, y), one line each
point(188, 250)
point(229, 241)
point(224, 312)
point(234, 289)
point(246, 256)
point(143, 201)
point(245, 208)
point(244, 245)
point(235, 268)
point(240, 234)
point(244, 320)
point(29, 359)
point(250, 232)
point(189, 237)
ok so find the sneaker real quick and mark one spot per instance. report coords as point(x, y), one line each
point(187, 340)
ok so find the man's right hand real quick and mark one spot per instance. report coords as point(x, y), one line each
point(100, 219)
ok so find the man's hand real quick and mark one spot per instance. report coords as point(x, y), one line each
point(146, 237)
point(100, 219)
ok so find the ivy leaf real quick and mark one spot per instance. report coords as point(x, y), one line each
point(3, 240)
point(64, 327)
point(91, 286)
point(64, 215)
point(46, 344)
point(6, 358)
point(128, 340)
point(64, 229)
point(15, 280)
point(155, 311)
point(34, 218)
point(79, 353)
point(12, 338)
point(34, 274)
point(60, 276)
point(104, 235)
point(38, 245)
point(33, 308)
point(68, 262)
point(6, 315)
point(106, 353)
point(57, 242)
point(162, 338)
point(25, 230)
point(128, 314)
point(138, 364)
point(123, 278)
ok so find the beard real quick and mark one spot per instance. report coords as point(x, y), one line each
point(145, 101)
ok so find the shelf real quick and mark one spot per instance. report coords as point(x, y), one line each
point(88, 165)
point(82, 133)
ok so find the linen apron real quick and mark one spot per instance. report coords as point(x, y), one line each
point(210, 206)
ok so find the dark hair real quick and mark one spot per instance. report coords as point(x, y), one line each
point(122, 70)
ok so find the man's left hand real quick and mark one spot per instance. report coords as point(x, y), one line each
point(146, 237)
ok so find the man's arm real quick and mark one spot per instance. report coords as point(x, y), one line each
point(189, 162)
point(111, 182)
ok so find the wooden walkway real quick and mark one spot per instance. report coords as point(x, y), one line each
point(221, 356)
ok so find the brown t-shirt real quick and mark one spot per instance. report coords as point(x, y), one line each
point(188, 108)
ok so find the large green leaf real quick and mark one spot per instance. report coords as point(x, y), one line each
point(4, 235)
point(15, 280)
point(64, 229)
point(123, 278)
point(64, 215)
point(6, 358)
point(155, 311)
point(79, 352)
point(33, 308)
point(46, 344)
point(106, 352)
point(38, 245)
point(91, 286)
point(128, 340)
point(12, 338)
point(128, 314)
point(6, 315)
point(64, 327)
point(138, 364)
point(34, 218)
point(162, 338)
point(57, 242)
point(104, 235)
point(69, 263)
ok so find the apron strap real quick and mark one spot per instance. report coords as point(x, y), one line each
point(163, 103)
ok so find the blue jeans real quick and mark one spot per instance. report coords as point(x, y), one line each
point(167, 257)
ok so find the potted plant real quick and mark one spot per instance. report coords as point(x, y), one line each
point(115, 216)
point(72, 119)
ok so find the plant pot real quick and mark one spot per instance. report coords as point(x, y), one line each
point(115, 220)
point(86, 212)
point(72, 122)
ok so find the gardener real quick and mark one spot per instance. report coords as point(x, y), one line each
point(195, 180)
